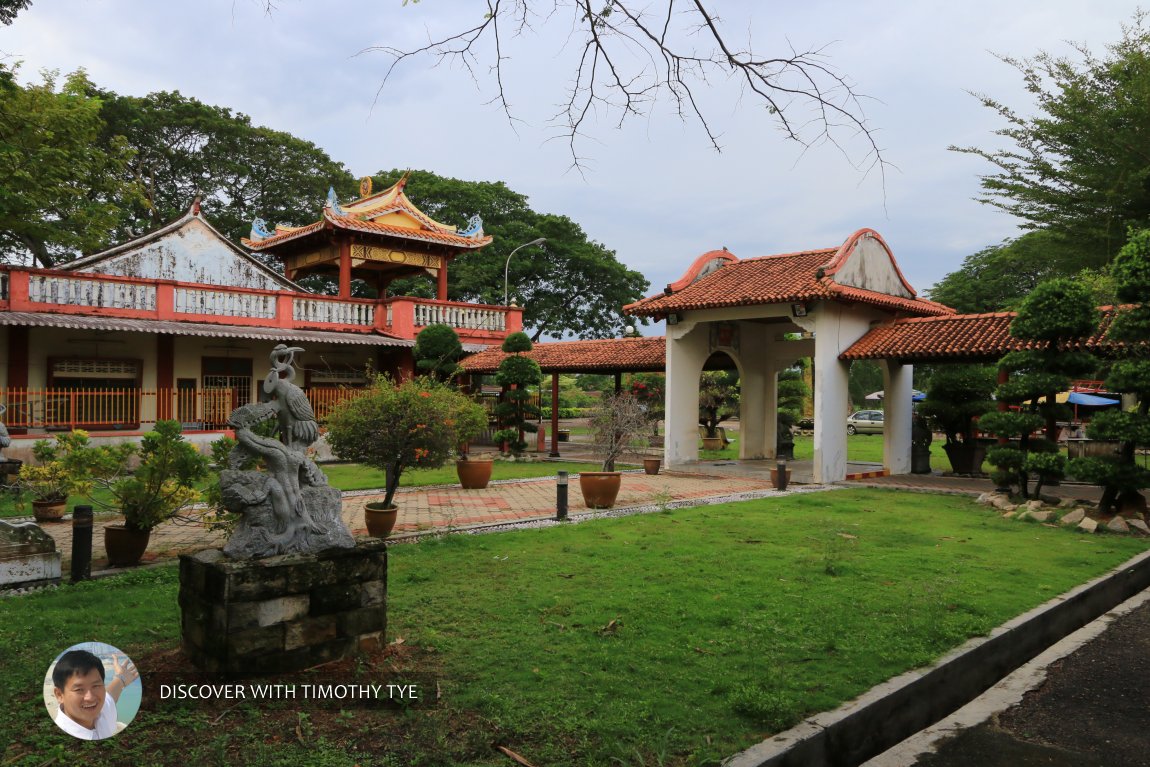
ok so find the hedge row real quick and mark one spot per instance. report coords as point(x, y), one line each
point(568, 412)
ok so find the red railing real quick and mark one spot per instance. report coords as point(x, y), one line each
point(125, 409)
point(57, 292)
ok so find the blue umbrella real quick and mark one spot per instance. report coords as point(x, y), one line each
point(1079, 398)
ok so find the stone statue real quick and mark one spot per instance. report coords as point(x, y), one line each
point(5, 439)
point(288, 507)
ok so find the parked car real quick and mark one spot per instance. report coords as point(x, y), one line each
point(865, 422)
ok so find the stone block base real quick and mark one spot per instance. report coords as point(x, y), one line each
point(283, 613)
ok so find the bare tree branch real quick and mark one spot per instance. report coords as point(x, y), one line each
point(633, 56)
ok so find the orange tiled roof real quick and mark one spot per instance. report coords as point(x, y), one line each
point(784, 278)
point(959, 336)
point(608, 355)
point(359, 215)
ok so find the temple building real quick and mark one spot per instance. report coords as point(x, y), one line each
point(178, 323)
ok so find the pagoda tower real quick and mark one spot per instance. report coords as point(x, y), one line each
point(378, 238)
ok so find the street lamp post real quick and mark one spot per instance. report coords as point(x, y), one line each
point(537, 241)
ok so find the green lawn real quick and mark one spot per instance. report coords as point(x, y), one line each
point(670, 638)
point(865, 448)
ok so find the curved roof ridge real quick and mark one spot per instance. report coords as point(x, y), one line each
point(842, 255)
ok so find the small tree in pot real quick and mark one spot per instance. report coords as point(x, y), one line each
point(159, 488)
point(417, 424)
point(618, 426)
point(955, 396)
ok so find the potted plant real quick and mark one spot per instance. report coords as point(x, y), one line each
point(474, 472)
point(718, 401)
point(155, 491)
point(415, 424)
point(59, 471)
point(618, 425)
point(955, 396)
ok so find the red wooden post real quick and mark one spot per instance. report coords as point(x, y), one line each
point(554, 415)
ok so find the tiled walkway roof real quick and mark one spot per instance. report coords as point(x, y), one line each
point(971, 337)
point(631, 355)
point(786, 278)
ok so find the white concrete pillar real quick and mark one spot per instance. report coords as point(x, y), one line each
point(755, 405)
point(687, 350)
point(897, 427)
point(836, 327)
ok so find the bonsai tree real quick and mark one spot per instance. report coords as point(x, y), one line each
point(1055, 316)
point(1121, 478)
point(955, 396)
point(618, 426)
point(718, 399)
point(437, 351)
point(161, 485)
point(517, 374)
point(792, 395)
point(417, 424)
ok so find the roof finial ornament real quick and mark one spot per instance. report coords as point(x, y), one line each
point(333, 202)
point(399, 185)
point(474, 227)
point(365, 187)
point(196, 205)
point(260, 230)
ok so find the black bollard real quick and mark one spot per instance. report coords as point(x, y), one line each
point(81, 543)
point(781, 468)
point(561, 497)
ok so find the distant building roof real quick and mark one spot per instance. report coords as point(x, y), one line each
point(203, 329)
point(188, 249)
point(973, 337)
point(718, 279)
point(631, 355)
point(388, 213)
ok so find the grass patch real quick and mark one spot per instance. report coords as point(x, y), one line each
point(865, 448)
point(353, 476)
point(670, 638)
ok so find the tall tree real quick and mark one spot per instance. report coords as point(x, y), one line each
point(9, 9)
point(998, 277)
point(1079, 167)
point(62, 186)
point(1122, 478)
point(569, 286)
point(184, 148)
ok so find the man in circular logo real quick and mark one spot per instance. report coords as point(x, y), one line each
point(85, 698)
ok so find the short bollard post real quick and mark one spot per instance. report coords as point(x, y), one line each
point(81, 543)
point(561, 496)
point(781, 468)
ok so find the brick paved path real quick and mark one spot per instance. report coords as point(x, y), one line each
point(451, 506)
point(436, 507)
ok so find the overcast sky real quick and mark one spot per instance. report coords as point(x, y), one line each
point(653, 191)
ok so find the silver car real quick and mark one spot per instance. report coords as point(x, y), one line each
point(865, 422)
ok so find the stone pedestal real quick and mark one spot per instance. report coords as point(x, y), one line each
point(283, 613)
point(28, 556)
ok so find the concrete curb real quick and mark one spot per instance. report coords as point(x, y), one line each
point(897, 709)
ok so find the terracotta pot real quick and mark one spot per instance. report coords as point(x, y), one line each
point(125, 547)
point(380, 519)
point(651, 465)
point(600, 488)
point(49, 511)
point(712, 443)
point(965, 458)
point(474, 473)
point(775, 478)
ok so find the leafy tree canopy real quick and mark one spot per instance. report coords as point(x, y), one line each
point(571, 285)
point(62, 187)
point(1077, 166)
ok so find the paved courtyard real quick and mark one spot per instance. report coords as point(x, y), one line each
point(440, 507)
